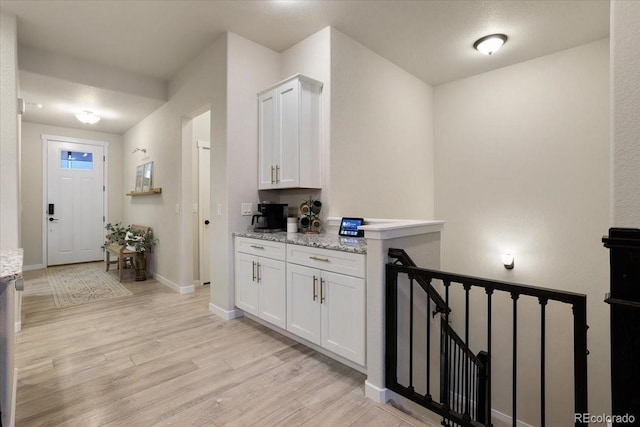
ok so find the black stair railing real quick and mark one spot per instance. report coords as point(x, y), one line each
point(465, 378)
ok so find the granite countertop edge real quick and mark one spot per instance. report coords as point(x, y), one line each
point(357, 245)
point(10, 265)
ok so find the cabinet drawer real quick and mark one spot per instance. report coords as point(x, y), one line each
point(263, 248)
point(326, 259)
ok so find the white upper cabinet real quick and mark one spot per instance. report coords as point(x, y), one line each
point(289, 135)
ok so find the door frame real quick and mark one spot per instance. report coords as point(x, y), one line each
point(45, 181)
point(203, 145)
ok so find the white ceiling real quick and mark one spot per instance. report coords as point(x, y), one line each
point(60, 99)
point(430, 39)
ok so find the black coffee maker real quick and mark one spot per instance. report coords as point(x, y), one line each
point(272, 218)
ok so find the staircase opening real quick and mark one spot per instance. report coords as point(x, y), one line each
point(432, 364)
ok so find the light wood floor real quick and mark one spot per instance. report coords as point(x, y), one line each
point(159, 358)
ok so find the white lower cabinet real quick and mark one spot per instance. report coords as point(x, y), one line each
point(319, 295)
point(260, 287)
point(327, 309)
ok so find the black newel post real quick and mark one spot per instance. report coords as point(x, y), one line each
point(624, 301)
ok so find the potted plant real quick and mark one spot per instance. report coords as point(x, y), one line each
point(142, 242)
point(116, 234)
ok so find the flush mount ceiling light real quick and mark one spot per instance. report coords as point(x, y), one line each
point(87, 117)
point(490, 44)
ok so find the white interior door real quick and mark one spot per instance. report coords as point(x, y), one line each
point(75, 202)
point(204, 186)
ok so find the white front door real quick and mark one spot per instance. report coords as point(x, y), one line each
point(75, 202)
point(204, 186)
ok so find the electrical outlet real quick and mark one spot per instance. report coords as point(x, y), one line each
point(247, 209)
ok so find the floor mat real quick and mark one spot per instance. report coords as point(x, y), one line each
point(83, 283)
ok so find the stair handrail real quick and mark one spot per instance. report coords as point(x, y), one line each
point(402, 257)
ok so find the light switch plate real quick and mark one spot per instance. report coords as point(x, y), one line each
point(177, 208)
point(218, 209)
point(247, 209)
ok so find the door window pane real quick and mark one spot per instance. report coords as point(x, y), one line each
point(76, 160)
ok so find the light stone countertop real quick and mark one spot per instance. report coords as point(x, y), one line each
point(334, 242)
point(10, 265)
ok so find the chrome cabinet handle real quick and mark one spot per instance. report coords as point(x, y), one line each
point(277, 174)
point(272, 179)
point(258, 264)
point(253, 271)
point(319, 259)
point(321, 291)
point(257, 247)
point(315, 292)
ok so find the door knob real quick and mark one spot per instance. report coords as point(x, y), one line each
point(206, 222)
point(51, 219)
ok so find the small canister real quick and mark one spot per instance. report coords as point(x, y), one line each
point(292, 225)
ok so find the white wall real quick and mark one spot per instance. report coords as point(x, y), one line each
point(201, 83)
point(9, 137)
point(32, 191)
point(381, 136)
point(312, 57)
point(522, 166)
point(226, 78)
point(10, 199)
point(625, 65)
point(251, 68)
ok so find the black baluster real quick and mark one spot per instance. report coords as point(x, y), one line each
point(474, 390)
point(580, 353)
point(443, 365)
point(543, 304)
point(458, 375)
point(467, 411)
point(514, 390)
point(447, 283)
point(428, 395)
point(411, 334)
point(454, 377)
point(487, 409)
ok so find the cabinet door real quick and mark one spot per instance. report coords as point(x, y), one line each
point(247, 291)
point(273, 295)
point(267, 140)
point(288, 135)
point(343, 315)
point(303, 302)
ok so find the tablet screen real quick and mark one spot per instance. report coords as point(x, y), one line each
point(349, 227)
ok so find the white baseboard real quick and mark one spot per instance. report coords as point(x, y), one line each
point(376, 393)
point(18, 326)
point(225, 314)
point(498, 418)
point(32, 267)
point(507, 419)
point(187, 289)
